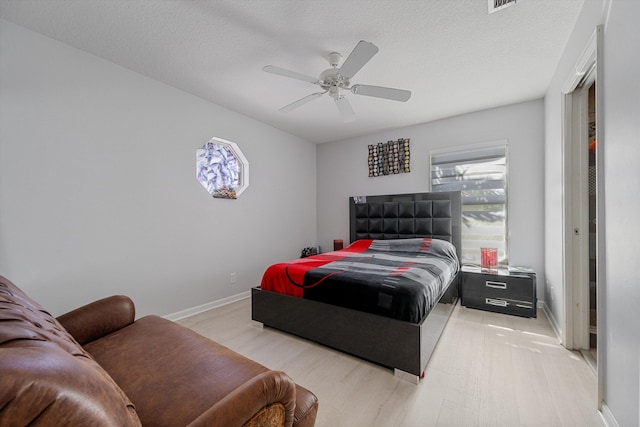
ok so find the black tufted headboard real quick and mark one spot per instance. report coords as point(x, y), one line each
point(404, 216)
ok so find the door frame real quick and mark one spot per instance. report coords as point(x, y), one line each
point(588, 69)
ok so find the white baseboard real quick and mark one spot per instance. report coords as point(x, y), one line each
point(607, 416)
point(208, 306)
point(552, 320)
point(605, 413)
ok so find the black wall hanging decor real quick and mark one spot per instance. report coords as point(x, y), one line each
point(387, 158)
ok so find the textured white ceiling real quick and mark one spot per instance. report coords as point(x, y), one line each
point(452, 54)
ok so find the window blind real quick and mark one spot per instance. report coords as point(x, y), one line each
point(481, 175)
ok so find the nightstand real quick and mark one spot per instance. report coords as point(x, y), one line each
point(501, 291)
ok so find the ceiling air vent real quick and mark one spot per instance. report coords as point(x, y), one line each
point(496, 5)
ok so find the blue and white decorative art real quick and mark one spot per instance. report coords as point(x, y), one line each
point(222, 168)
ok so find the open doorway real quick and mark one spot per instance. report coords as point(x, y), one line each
point(592, 218)
point(583, 210)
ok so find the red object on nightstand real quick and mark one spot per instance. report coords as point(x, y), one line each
point(489, 258)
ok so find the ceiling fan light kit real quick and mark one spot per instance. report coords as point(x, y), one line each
point(336, 79)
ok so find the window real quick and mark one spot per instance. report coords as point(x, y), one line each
point(481, 175)
point(222, 168)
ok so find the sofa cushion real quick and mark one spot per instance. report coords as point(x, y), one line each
point(158, 362)
point(47, 377)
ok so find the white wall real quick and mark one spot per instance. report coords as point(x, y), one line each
point(343, 172)
point(622, 180)
point(98, 193)
point(621, 86)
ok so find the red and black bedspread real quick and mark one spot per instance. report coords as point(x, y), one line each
point(401, 279)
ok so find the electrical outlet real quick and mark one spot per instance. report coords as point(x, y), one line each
point(233, 278)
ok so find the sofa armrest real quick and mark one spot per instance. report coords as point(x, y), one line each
point(242, 404)
point(99, 318)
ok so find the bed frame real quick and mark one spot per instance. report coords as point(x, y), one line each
point(403, 346)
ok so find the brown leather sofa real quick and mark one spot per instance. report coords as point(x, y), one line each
point(97, 366)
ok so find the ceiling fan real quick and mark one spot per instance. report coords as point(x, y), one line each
point(336, 79)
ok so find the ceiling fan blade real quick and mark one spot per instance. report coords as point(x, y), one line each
point(360, 55)
point(300, 102)
point(288, 73)
point(381, 92)
point(346, 112)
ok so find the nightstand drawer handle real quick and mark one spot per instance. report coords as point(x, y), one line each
point(496, 285)
point(497, 302)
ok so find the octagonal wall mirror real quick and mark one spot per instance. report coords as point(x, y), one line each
point(222, 169)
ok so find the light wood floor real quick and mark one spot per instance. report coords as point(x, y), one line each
point(487, 370)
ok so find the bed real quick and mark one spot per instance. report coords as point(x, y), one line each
point(391, 236)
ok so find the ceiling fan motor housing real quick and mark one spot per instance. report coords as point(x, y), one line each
point(333, 81)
